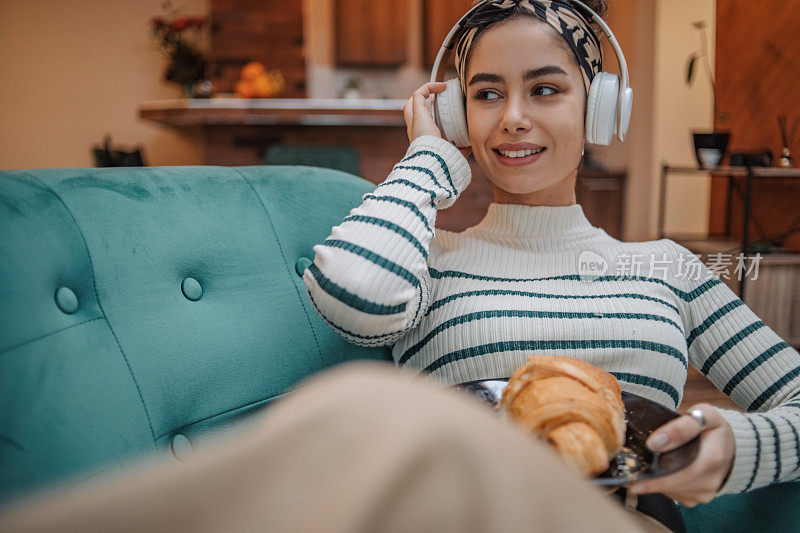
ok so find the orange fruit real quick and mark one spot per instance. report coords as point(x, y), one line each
point(252, 70)
point(245, 89)
point(263, 86)
point(278, 82)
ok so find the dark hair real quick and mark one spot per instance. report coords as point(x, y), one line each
point(598, 6)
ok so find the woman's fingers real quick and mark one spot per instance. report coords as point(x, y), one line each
point(683, 429)
point(430, 88)
point(424, 92)
point(419, 120)
point(421, 95)
point(408, 115)
point(685, 483)
point(700, 481)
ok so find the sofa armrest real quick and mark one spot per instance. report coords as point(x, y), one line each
point(773, 508)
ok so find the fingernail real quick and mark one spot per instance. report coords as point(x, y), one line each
point(657, 441)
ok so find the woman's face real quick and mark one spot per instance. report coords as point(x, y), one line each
point(525, 112)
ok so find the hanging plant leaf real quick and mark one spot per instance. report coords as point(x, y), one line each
point(690, 68)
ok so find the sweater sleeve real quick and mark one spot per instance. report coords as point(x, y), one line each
point(759, 371)
point(369, 280)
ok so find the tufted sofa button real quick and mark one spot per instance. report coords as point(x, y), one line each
point(66, 300)
point(181, 447)
point(191, 289)
point(301, 265)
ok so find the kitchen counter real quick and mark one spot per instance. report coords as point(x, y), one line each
point(239, 131)
point(271, 111)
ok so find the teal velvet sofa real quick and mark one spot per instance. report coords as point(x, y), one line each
point(142, 307)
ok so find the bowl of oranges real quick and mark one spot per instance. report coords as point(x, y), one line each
point(255, 81)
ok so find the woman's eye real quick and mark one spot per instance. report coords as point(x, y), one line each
point(486, 95)
point(544, 90)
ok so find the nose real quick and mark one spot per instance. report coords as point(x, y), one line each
point(516, 116)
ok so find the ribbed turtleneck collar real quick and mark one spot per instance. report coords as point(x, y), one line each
point(534, 221)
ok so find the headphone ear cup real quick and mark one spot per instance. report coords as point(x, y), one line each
point(601, 109)
point(450, 114)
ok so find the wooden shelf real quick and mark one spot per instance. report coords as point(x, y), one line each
point(271, 111)
point(758, 172)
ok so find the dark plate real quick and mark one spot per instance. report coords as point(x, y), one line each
point(634, 462)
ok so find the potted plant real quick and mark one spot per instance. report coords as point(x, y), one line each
point(186, 64)
point(709, 147)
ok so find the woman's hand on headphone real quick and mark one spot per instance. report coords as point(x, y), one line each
point(419, 120)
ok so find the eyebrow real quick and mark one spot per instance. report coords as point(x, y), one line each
point(529, 75)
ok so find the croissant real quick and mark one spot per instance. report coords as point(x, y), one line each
point(573, 405)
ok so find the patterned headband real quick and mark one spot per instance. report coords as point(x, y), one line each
point(570, 24)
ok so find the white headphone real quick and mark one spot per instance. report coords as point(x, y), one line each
point(608, 107)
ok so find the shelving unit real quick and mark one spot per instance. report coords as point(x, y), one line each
point(775, 294)
point(751, 174)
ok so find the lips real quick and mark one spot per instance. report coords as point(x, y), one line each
point(518, 154)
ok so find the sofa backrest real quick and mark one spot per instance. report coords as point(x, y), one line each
point(141, 306)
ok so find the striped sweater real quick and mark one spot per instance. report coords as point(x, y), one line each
point(540, 279)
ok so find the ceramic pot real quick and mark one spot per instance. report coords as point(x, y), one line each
point(709, 148)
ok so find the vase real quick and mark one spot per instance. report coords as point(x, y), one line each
point(786, 158)
point(710, 148)
point(187, 89)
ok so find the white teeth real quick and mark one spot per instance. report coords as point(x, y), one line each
point(520, 153)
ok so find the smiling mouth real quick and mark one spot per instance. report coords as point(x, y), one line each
point(515, 158)
point(519, 153)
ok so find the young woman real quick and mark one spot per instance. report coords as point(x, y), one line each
point(473, 305)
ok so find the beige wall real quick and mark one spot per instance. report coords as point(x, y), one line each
point(657, 37)
point(73, 71)
point(677, 109)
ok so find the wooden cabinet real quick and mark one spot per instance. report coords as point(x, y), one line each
point(374, 33)
point(439, 16)
point(371, 33)
point(268, 31)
